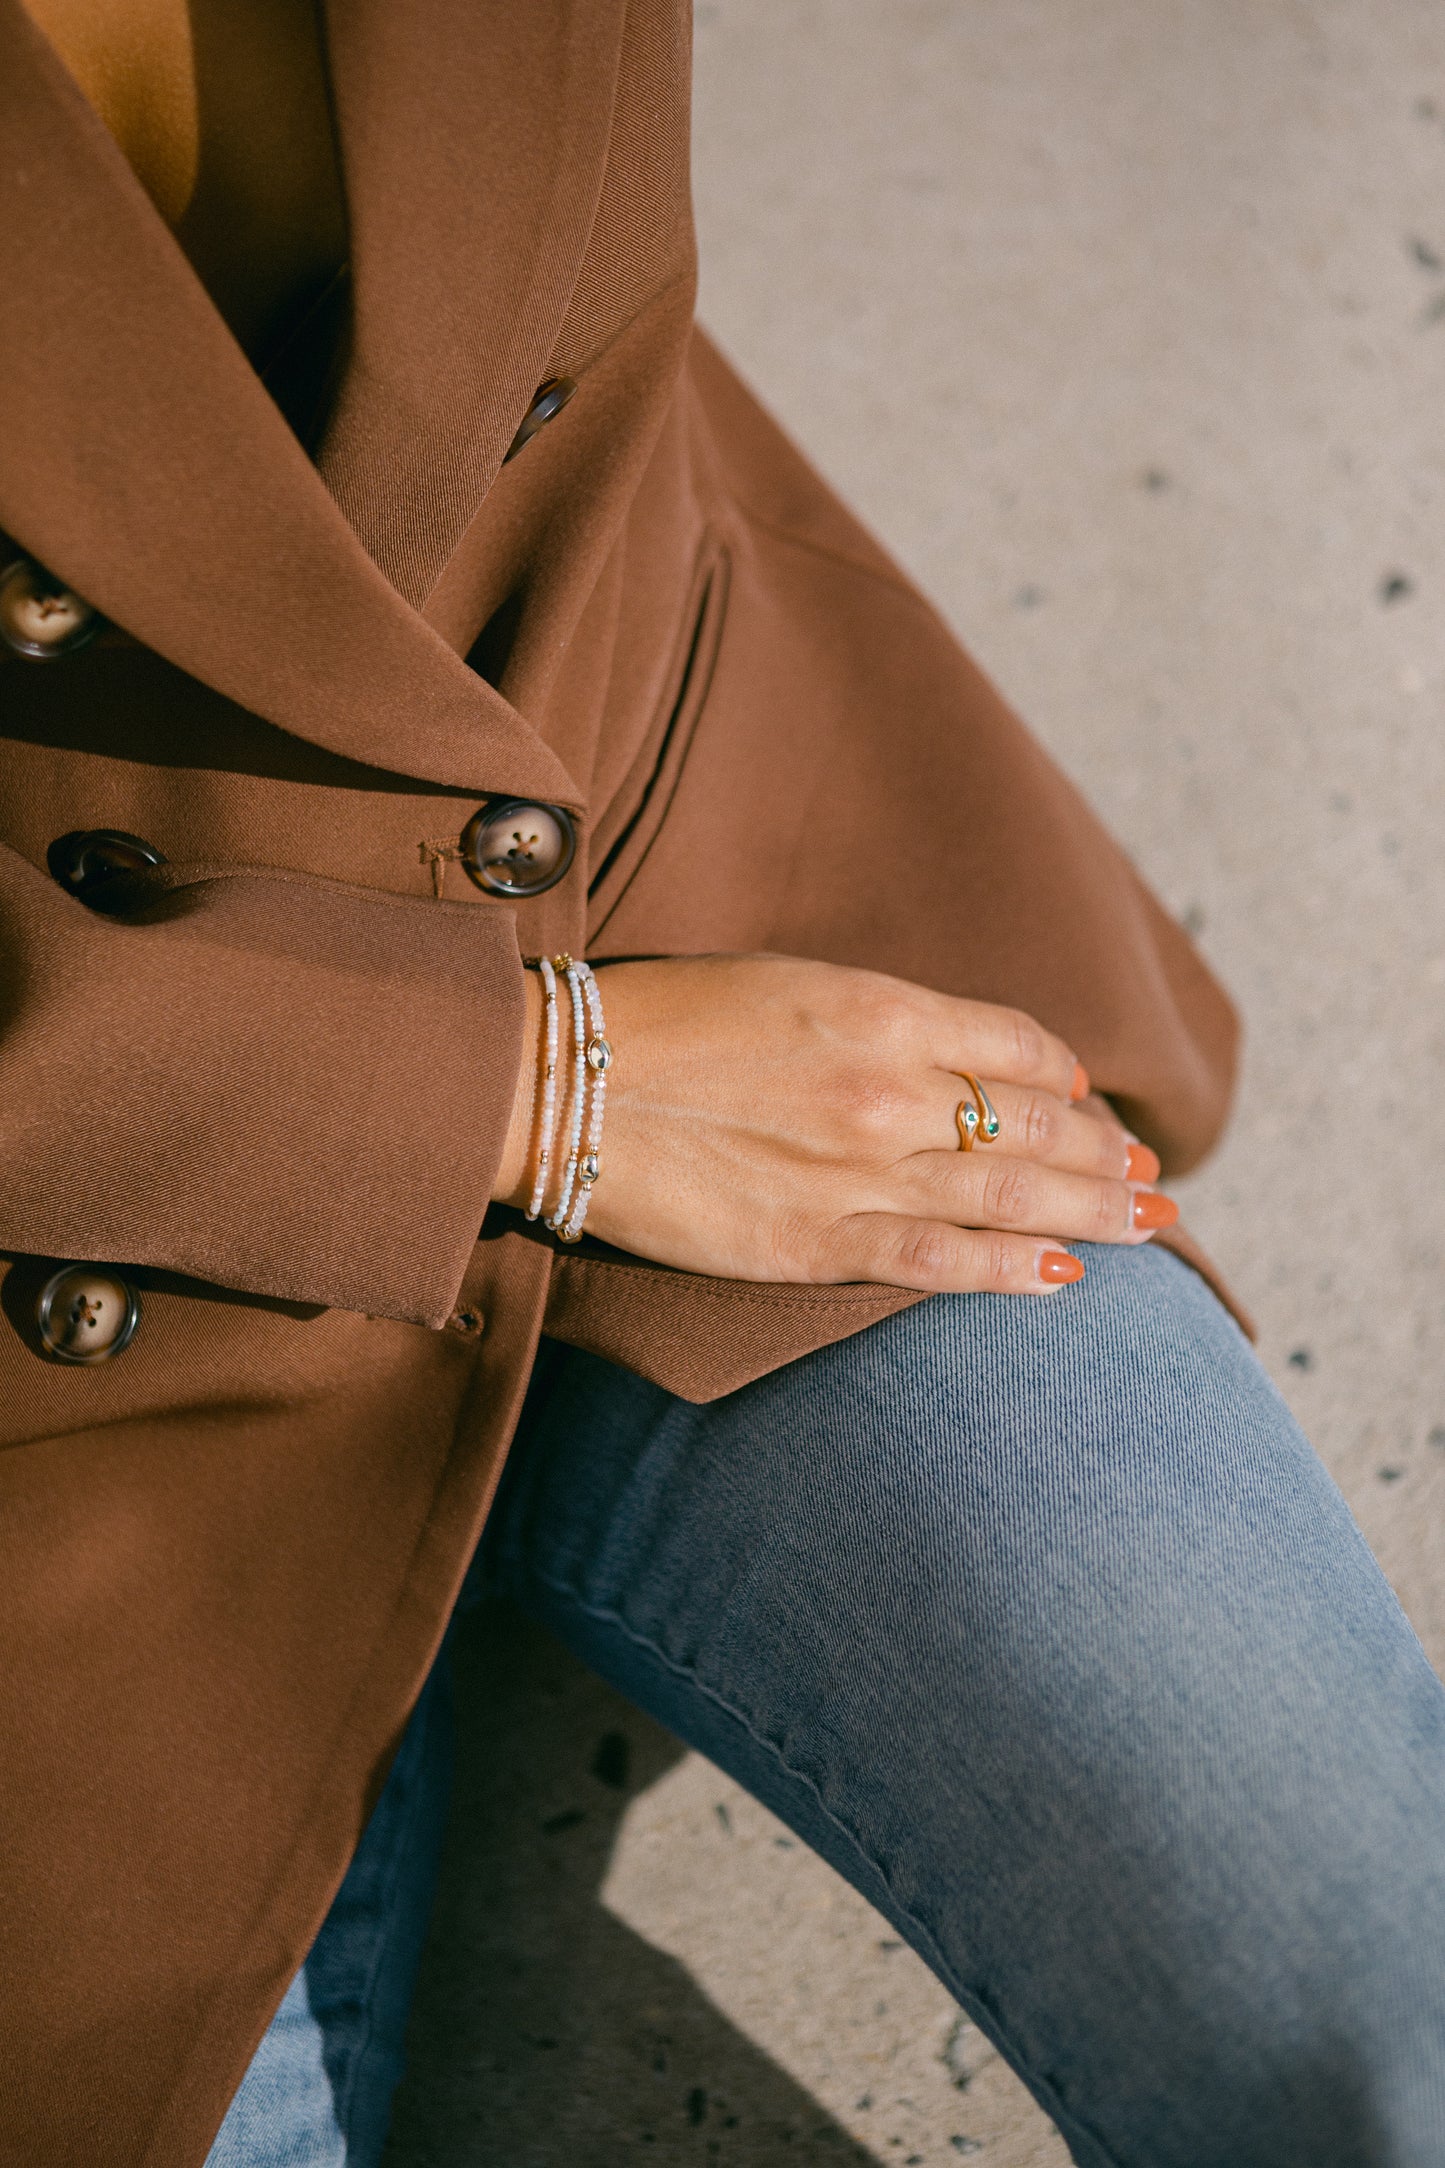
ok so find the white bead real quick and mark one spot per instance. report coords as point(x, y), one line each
point(597, 1046)
point(557, 1219)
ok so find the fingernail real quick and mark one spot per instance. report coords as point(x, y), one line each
point(1079, 1089)
point(1152, 1210)
point(1057, 1268)
point(1143, 1164)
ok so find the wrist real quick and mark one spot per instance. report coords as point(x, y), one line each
point(514, 1179)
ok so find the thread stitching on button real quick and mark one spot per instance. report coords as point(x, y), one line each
point(440, 853)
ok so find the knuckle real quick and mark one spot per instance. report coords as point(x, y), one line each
point(873, 1105)
point(1007, 1191)
point(876, 1009)
point(1041, 1125)
point(1110, 1151)
point(795, 1249)
point(927, 1253)
point(994, 1264)
point(894, 1029)
point(1111, 1210)
point(1027, 1044)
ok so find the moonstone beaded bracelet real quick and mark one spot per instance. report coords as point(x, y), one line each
point(583, 1101)
point(576, 1103)
point(599, 1061)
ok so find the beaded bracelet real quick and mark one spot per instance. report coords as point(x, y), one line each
point(577, 1099)
point(599, 1061)
point(548, 1121)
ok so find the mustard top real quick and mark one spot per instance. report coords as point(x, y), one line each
point(224, 114)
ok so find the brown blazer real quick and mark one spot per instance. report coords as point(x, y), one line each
point(271, 1080)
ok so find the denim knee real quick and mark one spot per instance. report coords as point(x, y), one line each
point(1041, 1621)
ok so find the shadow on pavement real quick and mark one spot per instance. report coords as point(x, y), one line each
point(545, 2032)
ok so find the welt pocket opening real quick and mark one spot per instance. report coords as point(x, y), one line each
point(652, 784)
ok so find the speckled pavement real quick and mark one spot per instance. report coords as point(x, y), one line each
point(1125, 328)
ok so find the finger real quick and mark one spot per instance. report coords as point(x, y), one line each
point(1003, 1043)
point(939, 1259)
point(1021, 1196)
point(1098, 1109)
point(1039, 1125)
point(1142, 1156)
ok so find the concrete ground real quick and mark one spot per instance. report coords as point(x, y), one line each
point(1124, 325)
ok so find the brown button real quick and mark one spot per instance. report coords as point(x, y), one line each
point(511, 847)
point(39, 617)
point(82, 860)
point(548, 401)
point(86, 1314)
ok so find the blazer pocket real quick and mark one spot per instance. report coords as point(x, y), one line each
point(650, 789)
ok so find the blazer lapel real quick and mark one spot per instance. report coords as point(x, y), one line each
point(142, 459)
point(474, 137)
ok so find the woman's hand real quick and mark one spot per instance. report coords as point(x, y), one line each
point(773, 1119)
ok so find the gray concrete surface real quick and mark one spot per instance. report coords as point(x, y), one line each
point(1125, 327)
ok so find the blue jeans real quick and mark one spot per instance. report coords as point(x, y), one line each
point(1043, 1624)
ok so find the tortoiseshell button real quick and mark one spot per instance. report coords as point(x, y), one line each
point(86, 1314)
point(548, 401)
point(515, 847)
point(82, 860)
point(39, 616)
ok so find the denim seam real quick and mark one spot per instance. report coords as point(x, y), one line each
point(1067, 2121)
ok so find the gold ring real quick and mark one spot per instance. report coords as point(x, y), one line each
point(966, 1116)
point(985, 1128)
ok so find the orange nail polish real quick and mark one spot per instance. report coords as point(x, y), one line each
point(1079, 1089)
point(1057, 1268)
point(1152, 1210)
point(1143, 1164)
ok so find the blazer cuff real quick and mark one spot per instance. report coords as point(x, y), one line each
point(270, 1081)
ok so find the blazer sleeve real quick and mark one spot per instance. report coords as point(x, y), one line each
point(274, 1082)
